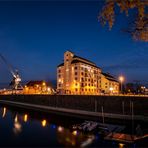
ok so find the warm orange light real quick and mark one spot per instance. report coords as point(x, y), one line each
point(59, 80)
point(25, 118)
point(60, 129)
point(43, 83)
point(16, 119)
point(121, 145)
point(44, 122)
point(121, 79)
point(75, 133)
point(4, 112)
point(111, 88)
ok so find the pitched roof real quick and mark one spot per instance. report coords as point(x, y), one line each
point(38, 82)
point(109, 77)
point(62, 64)
point(80, 61)
point(75, 56)
point(77, 59)
point(112, 79)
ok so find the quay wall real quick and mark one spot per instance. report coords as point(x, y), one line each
point(138, 105)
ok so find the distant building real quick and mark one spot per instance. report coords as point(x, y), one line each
point(109, 85)
point(38, 87)
point(77, 75)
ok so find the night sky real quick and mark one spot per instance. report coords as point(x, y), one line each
point(34, 36)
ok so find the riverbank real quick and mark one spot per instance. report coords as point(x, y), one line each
point(113, 107)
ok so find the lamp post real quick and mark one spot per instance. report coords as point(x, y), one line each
point(121, 79)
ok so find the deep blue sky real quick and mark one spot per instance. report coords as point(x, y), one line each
point(35, 35)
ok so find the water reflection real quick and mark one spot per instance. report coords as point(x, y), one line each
point(72, 138)
point(60, 129)
point(25, 118)
point(44, 122)
point(17, 126)
point(57, 129)
point(4, 112)
point(75, 133)
point(121, 145)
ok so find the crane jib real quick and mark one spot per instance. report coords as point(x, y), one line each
point(8, 65)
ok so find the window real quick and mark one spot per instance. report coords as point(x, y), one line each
point(76, 68)
point(76, 73)
point(59, 70)
point(76, 78)
point(82, 79)
point(82, 73)
point(59, 76)
point(76, 89)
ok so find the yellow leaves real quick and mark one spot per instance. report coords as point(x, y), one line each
point(107, 15)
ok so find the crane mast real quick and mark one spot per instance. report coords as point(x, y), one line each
point(16, 81)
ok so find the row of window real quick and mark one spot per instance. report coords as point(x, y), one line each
point(90, 90)
point(82, 85)
point(82, 68)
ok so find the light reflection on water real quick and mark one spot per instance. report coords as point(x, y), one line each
point(41, 131)
point(17, 126)
point(63, 135)
point(4, 112)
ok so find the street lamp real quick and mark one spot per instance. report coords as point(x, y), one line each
point(121, 79)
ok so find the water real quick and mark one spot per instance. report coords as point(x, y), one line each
point(27, 128)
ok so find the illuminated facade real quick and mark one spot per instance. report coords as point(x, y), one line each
point(77, 75)
point(109, 85)
point(38, 87)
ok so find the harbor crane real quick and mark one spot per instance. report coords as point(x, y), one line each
point(16, 80)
